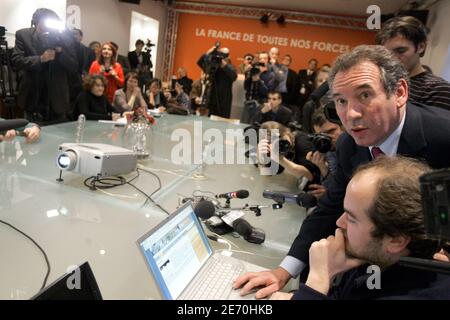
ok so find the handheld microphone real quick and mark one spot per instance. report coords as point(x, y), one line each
point(302, 199)
point(249, 233)
point(240, 194)
point(6, 125)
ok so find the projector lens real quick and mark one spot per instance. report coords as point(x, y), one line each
point(67, 160)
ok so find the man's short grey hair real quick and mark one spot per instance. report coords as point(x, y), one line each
point(391, 69)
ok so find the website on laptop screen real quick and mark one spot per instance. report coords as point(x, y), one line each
point(176, 252)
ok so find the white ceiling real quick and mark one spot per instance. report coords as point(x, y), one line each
point(341, 7)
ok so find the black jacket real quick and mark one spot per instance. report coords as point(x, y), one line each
point(93, 107)
point(283, 116)
point(44, 85)
point(425, 136)
point(133, 59)
point(220, 99)
point(396, 282)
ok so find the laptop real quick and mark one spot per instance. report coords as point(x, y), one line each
point(183, 263)
point(59, 289)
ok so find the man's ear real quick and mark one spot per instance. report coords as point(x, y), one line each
point(397, 244)
point(401, 93)
point(421, 47)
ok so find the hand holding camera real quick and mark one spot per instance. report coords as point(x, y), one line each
point(48, 55)
point(319, 160)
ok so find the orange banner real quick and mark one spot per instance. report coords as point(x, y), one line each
point(197, 33)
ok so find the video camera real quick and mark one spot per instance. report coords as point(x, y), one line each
point(148, 46)
point(214, 60)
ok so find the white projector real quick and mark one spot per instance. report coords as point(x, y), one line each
point(96, 159)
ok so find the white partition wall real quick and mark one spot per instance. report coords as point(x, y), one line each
point(144, 28)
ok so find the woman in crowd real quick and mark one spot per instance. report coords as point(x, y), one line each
point(110, 69)
point(92, 101)
point(130, 97)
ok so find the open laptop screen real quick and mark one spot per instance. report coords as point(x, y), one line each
point(175, 251)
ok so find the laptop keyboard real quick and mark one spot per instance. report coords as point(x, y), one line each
point(215, 283)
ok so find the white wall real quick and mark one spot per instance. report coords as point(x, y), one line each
point(16, 14)
point(144, 28)
point(439, 37)
point(106, 20)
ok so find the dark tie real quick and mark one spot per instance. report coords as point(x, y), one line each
point(376, 152)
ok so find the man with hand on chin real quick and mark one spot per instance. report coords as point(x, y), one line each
point(382, 222)
point(370, 89)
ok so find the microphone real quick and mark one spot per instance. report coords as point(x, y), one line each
point(6, 125)
point(240, 194)
point(302, 199)
point(204, 209)
point(249, 233)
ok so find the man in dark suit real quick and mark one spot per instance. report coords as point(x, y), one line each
point(45, 59)
point(370, 90)
point(140, 62)
point(85, 54)
point(222, 75)
point(273, 110)
point(305, 82)
point(292, 94)
point(377, 230)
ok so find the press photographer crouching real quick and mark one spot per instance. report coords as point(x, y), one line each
point(273, 110)
point(45, 57)
point(292, 150)
point(221, 74)
point(325, 159)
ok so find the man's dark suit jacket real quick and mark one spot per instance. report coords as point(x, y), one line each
point(397, 283)
point(425, 136)
point(44, 85)
point(133, 59)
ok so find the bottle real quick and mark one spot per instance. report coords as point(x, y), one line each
point(80, 128)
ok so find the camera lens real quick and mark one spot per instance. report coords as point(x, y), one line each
point(67, 160)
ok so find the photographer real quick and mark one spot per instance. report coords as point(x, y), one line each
point(110, 69)
point(255, 88)
point(292, 150)
point(247, 64)
point(44, 58)
point(273, 110)
point(265, 74)
point(327, 162)
point(216, 64)
point(140, 62)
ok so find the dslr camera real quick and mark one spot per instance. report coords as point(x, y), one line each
point(321, 142)
point(256, 68)
point(282, 145)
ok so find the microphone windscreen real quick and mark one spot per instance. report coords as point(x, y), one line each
point(6, 125)
point(242, 227)
point(204, 209)
point(306, 200)
point(242, 194)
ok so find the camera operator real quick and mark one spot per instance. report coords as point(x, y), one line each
point(140, 62)
point(255, 88)
point(327, 162)
point(216, 64)
point(292, 151)
point(44, 58)
point(265, 74)
point(273, 110)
